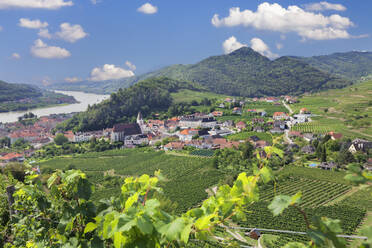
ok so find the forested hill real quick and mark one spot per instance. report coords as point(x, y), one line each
point(243, 72)
point(148, 97)
point(353, 65)
point(14, 92)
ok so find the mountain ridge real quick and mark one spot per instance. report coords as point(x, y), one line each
point(243, 72)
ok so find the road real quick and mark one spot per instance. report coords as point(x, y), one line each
point(289, 108)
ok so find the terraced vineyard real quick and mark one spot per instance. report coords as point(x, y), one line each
point(315, 193)
point(259, 216)
point(312, 127)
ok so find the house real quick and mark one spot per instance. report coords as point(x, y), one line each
point(308, 149)
point(237, 111)
point(271, 99)
point(176, 145)
point(280, 116)
point(196, 122)
point(335, 136)
point(221, 132)
point(254, 138)
point(261, 144)
point(12, 157)
point(263, 113)
point(188, 134)
point(241, 125)
point(228, 100)
point(228, 123)
point(258, 121)
point(217, 113)
point(295, 134)
point(251, 110)
point(328, 165)
point(360, 145)
point(259, 129)
point(280, 124)
point(221, 105)
point(27, 135)
point(276, 130)
point(308, 137)
point(120, 131)
point(82, 137)
point(304, 111)
point(136, 140)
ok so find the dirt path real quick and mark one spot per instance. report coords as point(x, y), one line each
point(289, 108)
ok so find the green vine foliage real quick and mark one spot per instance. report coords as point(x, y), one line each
point(59, 213)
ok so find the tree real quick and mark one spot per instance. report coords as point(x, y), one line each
point(247, 150)
point(345, 157)
point(323, 156)
point(60, 139)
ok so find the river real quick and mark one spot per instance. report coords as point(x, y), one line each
point(84, 100)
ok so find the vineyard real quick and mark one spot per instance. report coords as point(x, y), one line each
point(315, 193)
point(312, 127)
point(202, 153)
point(259, 216)
point(360, 198)
point(187, 177)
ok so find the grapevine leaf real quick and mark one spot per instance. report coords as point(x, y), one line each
point(266, 174)
point(131, 200)
point(90, 227)
point(281, 202)
point(144, 224)
point(186, 233)
point(173, 230)
point(204, 222)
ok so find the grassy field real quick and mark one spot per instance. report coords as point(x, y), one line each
point(347, 110)
point(187, 177)
point(245, 135)
point(189, 95)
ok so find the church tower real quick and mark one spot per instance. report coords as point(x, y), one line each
point(140, 122)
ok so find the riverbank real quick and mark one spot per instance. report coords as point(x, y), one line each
point(82, 101)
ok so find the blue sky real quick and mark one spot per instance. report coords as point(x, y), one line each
point(97, 39)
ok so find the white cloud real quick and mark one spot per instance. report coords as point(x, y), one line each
point(260, 46)
point(148, 8)
point(131, 66)
point(16, 56)
point(72, 79)
point(274, 17)
point(108, 72)
point(324, 6)
point(42, 50)
point(231, 44)
point(279, 46)
point(71, 33)
point(35, 4)
point(45, 33)
point(33, 24)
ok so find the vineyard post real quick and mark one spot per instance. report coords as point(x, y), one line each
point(10, 191)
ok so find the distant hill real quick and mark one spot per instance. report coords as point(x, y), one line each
point(148, 97)
point(353, 65)
point(14, 92)
point(243, 72)
point(21, 97)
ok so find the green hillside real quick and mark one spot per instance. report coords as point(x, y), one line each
point(148, 97)
point(347, 110)
point(354, 65)
point(14, 92)
point(243, 72)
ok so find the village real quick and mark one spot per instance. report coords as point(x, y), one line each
point(198, 131)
